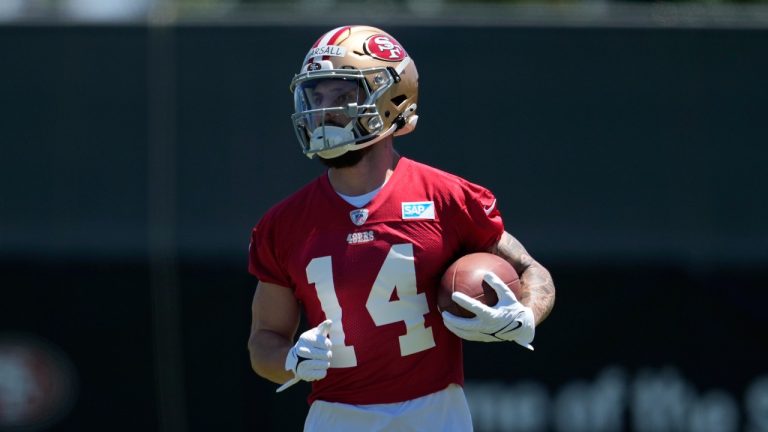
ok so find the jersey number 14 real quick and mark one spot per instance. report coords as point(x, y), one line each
point(398, 274)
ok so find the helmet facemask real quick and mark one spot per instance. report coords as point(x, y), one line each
point(336, 110)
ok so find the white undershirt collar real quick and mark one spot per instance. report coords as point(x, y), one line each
point(359, 201)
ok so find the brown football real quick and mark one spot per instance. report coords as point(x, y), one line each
point(466, 275)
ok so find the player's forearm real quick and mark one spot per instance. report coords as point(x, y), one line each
point(268, 351)
point(538, 288)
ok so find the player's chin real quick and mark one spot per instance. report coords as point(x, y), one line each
point(347, 160)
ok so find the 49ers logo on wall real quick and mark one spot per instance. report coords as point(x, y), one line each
point(384, 47)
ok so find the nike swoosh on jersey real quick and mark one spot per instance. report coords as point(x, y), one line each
point(490, 208)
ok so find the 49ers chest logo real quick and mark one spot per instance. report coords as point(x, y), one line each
point(384, 47)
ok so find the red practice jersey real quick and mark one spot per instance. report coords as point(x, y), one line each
point(374, 271)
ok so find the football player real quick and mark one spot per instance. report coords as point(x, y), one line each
point(361, 250)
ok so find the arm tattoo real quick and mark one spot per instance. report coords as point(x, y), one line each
point(536, 282)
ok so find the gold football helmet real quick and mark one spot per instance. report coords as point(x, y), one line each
point(356, 86)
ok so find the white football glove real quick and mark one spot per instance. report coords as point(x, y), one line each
point(310, 358)
point(508, 320)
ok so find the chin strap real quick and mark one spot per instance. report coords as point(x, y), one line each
point(331, 135)
point(406, 122)
point(336, 152)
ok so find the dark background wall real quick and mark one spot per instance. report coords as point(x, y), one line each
point(134, 161)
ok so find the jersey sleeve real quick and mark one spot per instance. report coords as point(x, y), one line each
point(262, 255)
point(480, 225)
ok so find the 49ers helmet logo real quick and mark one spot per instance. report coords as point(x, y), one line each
point(384, 47)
